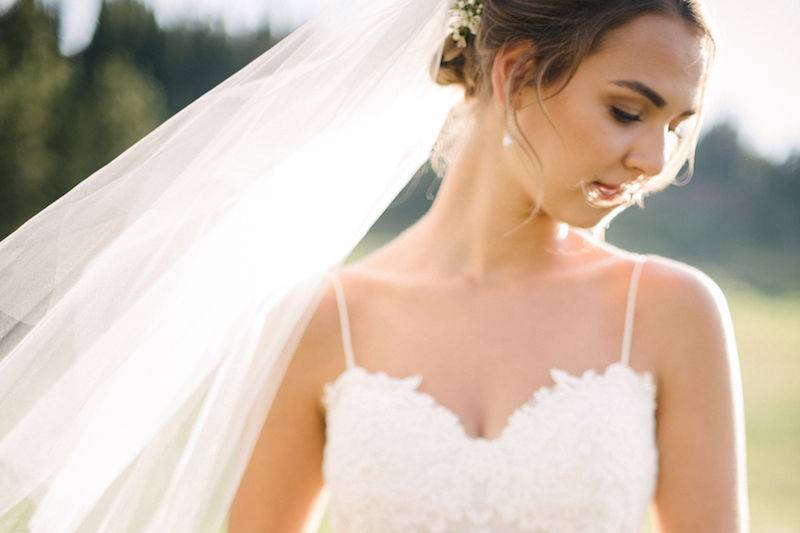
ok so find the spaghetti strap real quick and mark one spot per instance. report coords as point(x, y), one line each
point(629, 308)
point(343, 319)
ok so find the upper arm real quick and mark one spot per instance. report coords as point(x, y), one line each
point(702, 484)
point(281, 487)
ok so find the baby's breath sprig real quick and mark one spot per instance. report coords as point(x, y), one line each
point(465, 17)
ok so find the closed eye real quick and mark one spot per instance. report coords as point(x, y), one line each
point(627, 118)
point(624, 117)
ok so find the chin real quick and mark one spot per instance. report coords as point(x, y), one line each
point(585, 217)
point(585, 223)
point(581, 214)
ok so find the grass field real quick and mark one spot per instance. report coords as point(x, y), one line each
point(768, 336)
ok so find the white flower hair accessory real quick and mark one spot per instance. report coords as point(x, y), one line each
point(465, 17)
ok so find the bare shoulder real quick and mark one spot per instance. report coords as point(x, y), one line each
point(286, 462)
point(700, 419)
point(686, 313)
point(691, 282)
point(319, 356)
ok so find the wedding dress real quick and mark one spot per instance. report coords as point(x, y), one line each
point(579, 456)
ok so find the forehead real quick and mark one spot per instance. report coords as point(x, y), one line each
point(661, 51)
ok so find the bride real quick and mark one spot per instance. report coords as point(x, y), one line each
point(180, 341)
point(421, 396)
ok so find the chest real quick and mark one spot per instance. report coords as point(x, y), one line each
point(578, 456)
point(483, 355)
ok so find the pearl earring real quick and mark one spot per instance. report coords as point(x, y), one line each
point(507, 140)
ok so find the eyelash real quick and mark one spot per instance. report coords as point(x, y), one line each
point(626, 118)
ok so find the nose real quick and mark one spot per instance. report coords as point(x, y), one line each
point(648, 153)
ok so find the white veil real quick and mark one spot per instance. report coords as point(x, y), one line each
point(148, 315)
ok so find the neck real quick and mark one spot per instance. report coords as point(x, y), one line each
point(480, 226)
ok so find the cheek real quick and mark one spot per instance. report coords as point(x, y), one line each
point(551, 142)
point(585, 141)
point(594, 141)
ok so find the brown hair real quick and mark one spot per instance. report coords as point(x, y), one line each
point(563, 33)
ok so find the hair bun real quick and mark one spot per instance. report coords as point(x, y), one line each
point(459, 65)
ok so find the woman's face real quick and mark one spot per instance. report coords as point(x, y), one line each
point(617, 120)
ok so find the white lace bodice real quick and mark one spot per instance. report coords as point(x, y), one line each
point(579, 456)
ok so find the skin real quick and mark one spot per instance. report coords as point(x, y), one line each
point(483, 312)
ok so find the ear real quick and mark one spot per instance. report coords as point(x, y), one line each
point(504, 61)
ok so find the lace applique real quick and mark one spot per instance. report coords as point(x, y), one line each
point(579, 456)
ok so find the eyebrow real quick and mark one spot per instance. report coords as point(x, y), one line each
point(649, 93)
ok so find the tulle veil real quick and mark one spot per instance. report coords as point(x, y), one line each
point(148, 315)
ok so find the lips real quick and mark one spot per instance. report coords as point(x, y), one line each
point(607, 190)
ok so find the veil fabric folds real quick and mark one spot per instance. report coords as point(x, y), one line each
point(148, 315)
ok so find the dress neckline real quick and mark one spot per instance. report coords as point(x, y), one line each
point(563, 383)
point(561, 378)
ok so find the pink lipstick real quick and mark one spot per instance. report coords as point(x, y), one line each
point(607, 192)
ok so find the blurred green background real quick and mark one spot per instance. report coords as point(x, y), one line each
point(738, 219)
